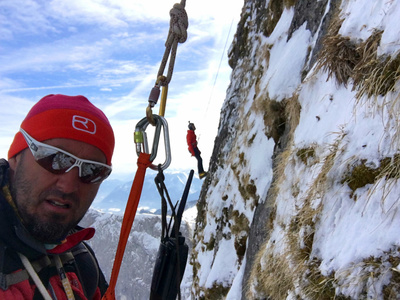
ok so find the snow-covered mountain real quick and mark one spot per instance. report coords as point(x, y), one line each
point(302, 197)
point(134, 280)
point(113, 194)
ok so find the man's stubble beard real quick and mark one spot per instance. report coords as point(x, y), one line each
point(50, 230)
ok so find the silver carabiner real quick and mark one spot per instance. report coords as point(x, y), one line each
point(140, 138)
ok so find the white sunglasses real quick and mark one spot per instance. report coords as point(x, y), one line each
point(58, 161)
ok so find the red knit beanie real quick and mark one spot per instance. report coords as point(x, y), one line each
point(70, 117)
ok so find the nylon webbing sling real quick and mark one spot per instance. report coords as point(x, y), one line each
point(129, 215)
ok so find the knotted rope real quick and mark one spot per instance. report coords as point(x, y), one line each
point(177, 34)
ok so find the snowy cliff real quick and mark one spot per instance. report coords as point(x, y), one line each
point(302, 197)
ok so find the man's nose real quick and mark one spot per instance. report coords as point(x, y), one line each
point(69, 181)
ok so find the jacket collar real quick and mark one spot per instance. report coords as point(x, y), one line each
point(73, 239)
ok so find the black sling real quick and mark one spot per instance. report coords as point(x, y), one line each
point(173, 251)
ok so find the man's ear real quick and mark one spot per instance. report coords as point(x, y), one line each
point(13, 161)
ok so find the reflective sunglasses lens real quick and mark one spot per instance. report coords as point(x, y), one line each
point(62, 161)
point(92, 173)
point(52, 163)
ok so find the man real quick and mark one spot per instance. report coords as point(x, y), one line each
point(55, 166)
point(194, 150)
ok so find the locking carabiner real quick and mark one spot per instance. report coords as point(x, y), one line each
point(153, 98)
point(140, 138)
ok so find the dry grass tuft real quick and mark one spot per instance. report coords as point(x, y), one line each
point(306, 154)
point(389, 169)
point(274, 118)
point(361, 173)
point(383, 79)
point(383, 271)
point(282, 159)
point(319, 286)
point(217, 291)
point(375, 75)
point(343, 59)
point(289, 3)
point(272, 276)
point(367, 63)
point(292, 113)
point(339, 54)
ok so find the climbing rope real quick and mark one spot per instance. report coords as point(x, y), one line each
point(177, 34)
point(216, 77)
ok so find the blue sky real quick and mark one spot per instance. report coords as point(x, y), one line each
point(110, 52)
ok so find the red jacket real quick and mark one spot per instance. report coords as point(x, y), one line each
point(25, 290)
point(191, 141)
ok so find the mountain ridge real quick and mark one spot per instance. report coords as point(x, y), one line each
point(113, 195)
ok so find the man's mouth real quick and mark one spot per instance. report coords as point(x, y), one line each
point(58, 204)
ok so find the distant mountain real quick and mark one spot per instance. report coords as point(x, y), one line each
point(136, 272)
point(105, 216)
point(113, 194)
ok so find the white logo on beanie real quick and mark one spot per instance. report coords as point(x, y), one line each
point(83, 124)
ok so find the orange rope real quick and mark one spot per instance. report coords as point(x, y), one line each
point(129, 215)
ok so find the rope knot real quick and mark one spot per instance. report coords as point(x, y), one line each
point(177, 33)
point(178, 24)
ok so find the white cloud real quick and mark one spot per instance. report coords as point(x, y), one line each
point(23, 16)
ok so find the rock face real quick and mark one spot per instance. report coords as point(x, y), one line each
point(302, 197)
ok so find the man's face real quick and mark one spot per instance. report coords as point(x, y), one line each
point(49, 204)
